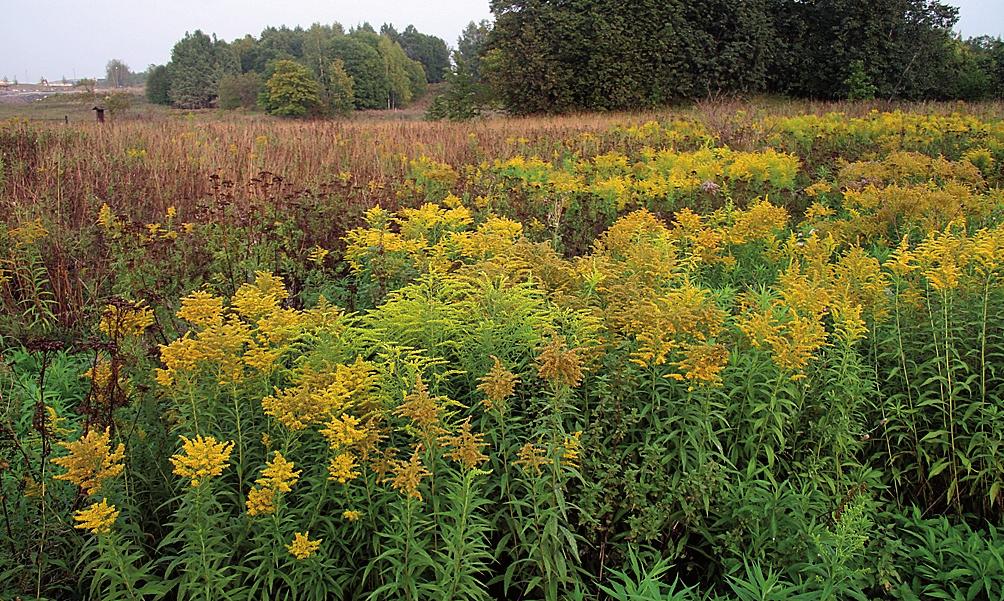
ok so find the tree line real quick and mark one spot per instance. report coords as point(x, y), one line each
point(562, 55)
point(559, 55)
point(321, 70)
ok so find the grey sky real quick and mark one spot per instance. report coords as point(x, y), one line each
point(56, 38)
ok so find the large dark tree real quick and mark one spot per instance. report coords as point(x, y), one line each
point(363, 63)
point(158, 84)
point(562, 54)
point(904, 46)
point(198, 62)
point(471, 45)
point(554, 55)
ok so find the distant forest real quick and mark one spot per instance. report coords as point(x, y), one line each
point(556, 56)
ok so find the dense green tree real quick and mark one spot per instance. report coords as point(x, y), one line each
point(364, 64)
point(465, 96)
point(534, 51)
point(553, 55)
point(381, 71)
point(978, 65)
point(471, 45)
point(198, 62)
point(397, 66)
point(338, 89)
point(291, 91)
point(158, 84)
point(239, 91)
point(428, 50)
point(607, 54)
point(118, 103)
point(903, 45)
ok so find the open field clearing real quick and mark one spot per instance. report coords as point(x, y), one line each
point(732, 351)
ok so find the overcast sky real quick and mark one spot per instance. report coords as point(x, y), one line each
point(71, 38)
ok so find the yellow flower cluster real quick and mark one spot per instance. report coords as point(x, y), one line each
point(91, 461)
point(302, 547)
point(97, 517)
point(201, 459)
point(125, 320)
point(278, 477)
point(320, 395)
point(465, 448)
point(497, 385)
point(408, 475)
point(658, 176)
point(252, 333)
point(560, 365)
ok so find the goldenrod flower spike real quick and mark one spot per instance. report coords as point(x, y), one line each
point(302, 547)
point(201, 458)
point(91, 461)
point(97, 517)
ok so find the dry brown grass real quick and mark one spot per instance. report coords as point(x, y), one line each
point(141, 166)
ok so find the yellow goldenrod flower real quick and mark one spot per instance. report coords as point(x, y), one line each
point(342, 468)
point(279, 474)
point(344, 431)
point(261, 501)
point(29, 232)
point(703, 363)
point(201, 308)
point(408, 475)
point(465, 448)
point(351, 516)
point(497, 385)
point(317, 255)
point(106, 218)
point(571, 451)
point(559, 364)
point(302, 547)
point(97, 517)
point(262, 298)
point(118, 321)
point(420, 407)
point(532, 457)
point(201, 458)
point(91, 461)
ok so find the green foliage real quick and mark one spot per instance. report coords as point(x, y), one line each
point(198, 62)
point(158, 84)
point(904, 45)
point(859, 84)
point(291, 91)
point(471, 46)
point(431, 52)
point(400, 83)
point(464, 98)
point(364, 64)
point(601, 54)
point(382, 72)
point(339, 89)
point(642, 583)
point(118, 103)
point(239, 91)
point(943, 560)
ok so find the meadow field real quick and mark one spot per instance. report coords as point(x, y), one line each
point(732, 351)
